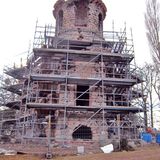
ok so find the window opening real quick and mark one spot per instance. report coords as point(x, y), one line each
point(83, 100)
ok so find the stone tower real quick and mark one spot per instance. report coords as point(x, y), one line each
point(80, 79)
point(80, 19)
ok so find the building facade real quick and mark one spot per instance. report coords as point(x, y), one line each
point(79, 84)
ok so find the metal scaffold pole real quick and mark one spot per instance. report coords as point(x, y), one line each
point(24, 113)
point(103, 98)
point(49, 153)
point(103, 131)
point(66, 99)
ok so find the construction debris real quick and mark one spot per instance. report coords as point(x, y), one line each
point(107, 149)
point(7, 152)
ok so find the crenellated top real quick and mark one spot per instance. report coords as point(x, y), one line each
point(79, 19)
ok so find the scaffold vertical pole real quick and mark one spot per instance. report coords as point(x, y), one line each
point(49, 154)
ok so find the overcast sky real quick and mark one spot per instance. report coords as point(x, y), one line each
point(18, 19)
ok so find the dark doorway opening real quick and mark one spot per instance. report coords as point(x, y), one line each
point(82, 95)
point(82, 132)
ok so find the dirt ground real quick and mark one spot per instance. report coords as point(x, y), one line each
point(145, 153)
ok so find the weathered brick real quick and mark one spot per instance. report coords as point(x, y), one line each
point(80, 19)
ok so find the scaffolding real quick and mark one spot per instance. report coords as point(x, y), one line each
point(7, 125)
point(87, 80)
point(75, 91)
point(12, 85)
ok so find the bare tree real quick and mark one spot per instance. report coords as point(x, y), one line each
point(4, 94)
point(143, 102)
point(156, 78)
point(148, 90)
point(152, 21)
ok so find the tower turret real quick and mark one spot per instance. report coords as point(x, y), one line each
point(79, 19)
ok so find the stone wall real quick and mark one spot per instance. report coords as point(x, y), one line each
point(70, 94)
point(96, 97)
point(74, 120)
point(80, 27)
point(80, 70)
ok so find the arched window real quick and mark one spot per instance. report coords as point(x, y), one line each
point(100, 22)
point(82, 132)
point(60, 19)
point(81, 13)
